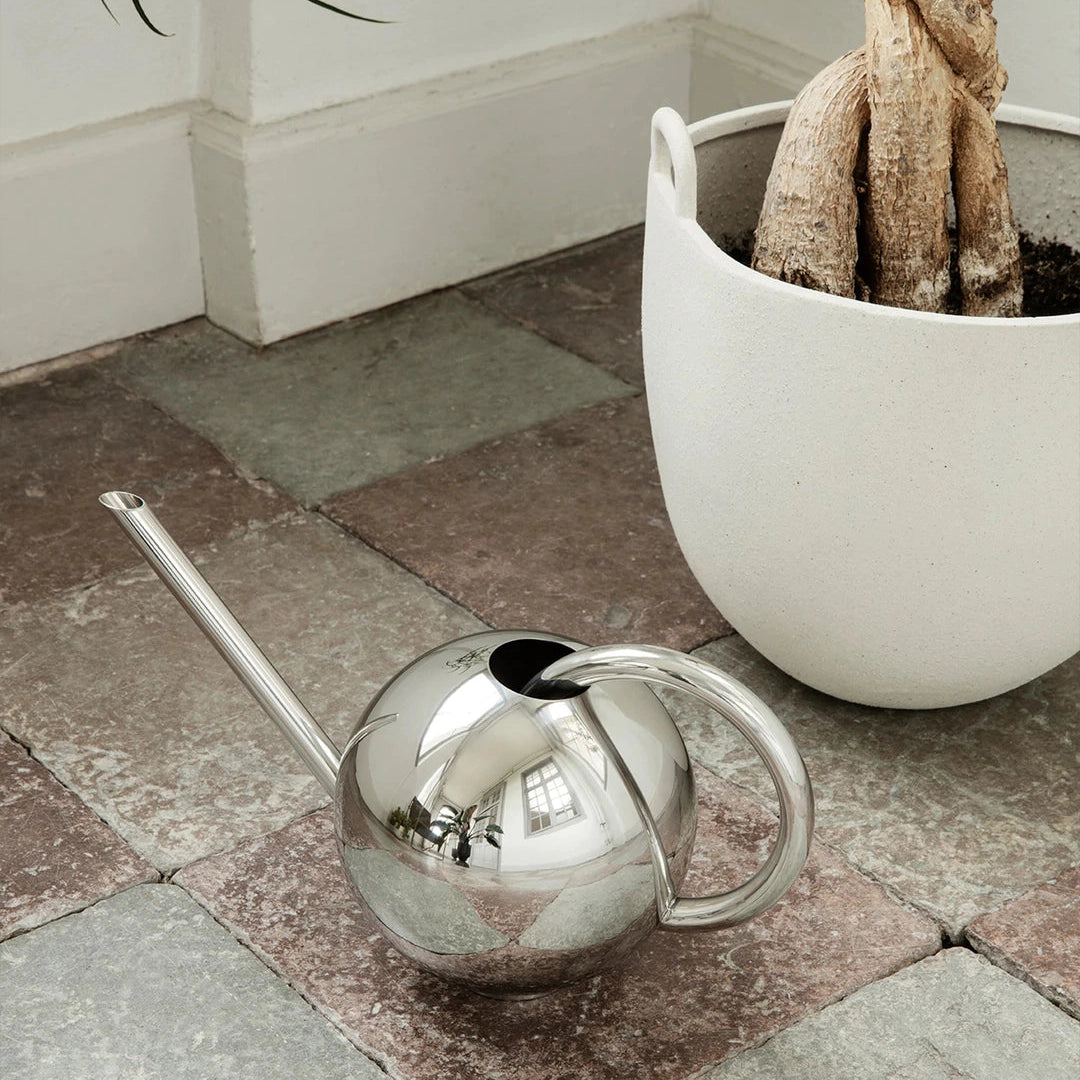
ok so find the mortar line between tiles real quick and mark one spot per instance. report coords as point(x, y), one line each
point(479, 303)
point(701, 1073)
point(327, 1014)
point(160, 875)
point(371, 1055)
point(714, 638)
point(85, 906)
point(1001, 959)
point(390, 557)
point(765, 1039)
point(242, 841)
point(843, 996)
point(116, 377)
point(947, 941)
point(242, 470)
point(894, 894)
point(960, 939)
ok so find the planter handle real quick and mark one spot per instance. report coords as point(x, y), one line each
point(757, 722)
point(673, 153)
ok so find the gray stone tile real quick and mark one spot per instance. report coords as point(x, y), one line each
point(121, 696)
point(338, 408)
point(56, 856)
point(1037, 938)
point(147, 984)
point(66, 439)
point(561, 528)
point(587, 300)
point(953, 1015)
point(680, 1002)
point(957, 809)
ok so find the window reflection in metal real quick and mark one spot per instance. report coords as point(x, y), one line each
point(468, 703)
point(577, 738)
point(548, 801)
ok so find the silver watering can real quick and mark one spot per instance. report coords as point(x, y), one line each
point(515, 810)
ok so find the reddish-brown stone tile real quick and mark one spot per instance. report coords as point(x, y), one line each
point(66, 439)
point(561, 528)
point(681, 1002)
point(587, 300)
point(56, 856)
point(119, 694)
point(1036, 937)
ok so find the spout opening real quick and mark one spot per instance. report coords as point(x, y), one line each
point(120, 500)
point(517, 665)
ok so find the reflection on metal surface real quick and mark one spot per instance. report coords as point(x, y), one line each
point(474, 697)
point(548, 800)
point(516, 811)
point(572, 874)
point(591, 791)
point(578, 738)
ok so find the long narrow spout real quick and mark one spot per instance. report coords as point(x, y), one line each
point(230, 639)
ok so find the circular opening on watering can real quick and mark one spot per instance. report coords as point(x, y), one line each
point(516, 664)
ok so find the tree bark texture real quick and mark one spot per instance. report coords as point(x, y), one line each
point(912, 110)
point(807, 230)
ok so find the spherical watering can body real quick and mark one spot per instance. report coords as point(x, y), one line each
point(559, 882)
point(571, 787)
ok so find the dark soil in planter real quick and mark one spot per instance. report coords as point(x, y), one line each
point(1051, 275)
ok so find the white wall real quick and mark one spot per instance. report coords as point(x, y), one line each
point(97, 204)
point(358, 205)
point(308, 59)
point(65, 63)
point(339, 166)
point(1039, 43)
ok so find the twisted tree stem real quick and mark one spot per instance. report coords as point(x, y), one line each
point(857, 201)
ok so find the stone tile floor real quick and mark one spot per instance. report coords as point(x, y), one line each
point(170, 899)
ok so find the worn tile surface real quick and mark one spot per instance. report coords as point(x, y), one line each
point(147, 984)
point(65, 440)
point(682, 1001)
point(365, 398)
point(559, 528)
point(1037, 938)
point(952, 1015)
point(55, 855)
point(492, 439)
point(119, 694)
point(957, 809)
point(587, 300)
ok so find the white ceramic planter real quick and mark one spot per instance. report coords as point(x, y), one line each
point(885, 503)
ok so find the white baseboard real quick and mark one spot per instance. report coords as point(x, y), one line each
point(363, 204)
point(325, 215)
point(97, 236)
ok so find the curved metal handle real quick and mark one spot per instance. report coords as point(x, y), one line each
point(766, 734)
point(673, 152)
